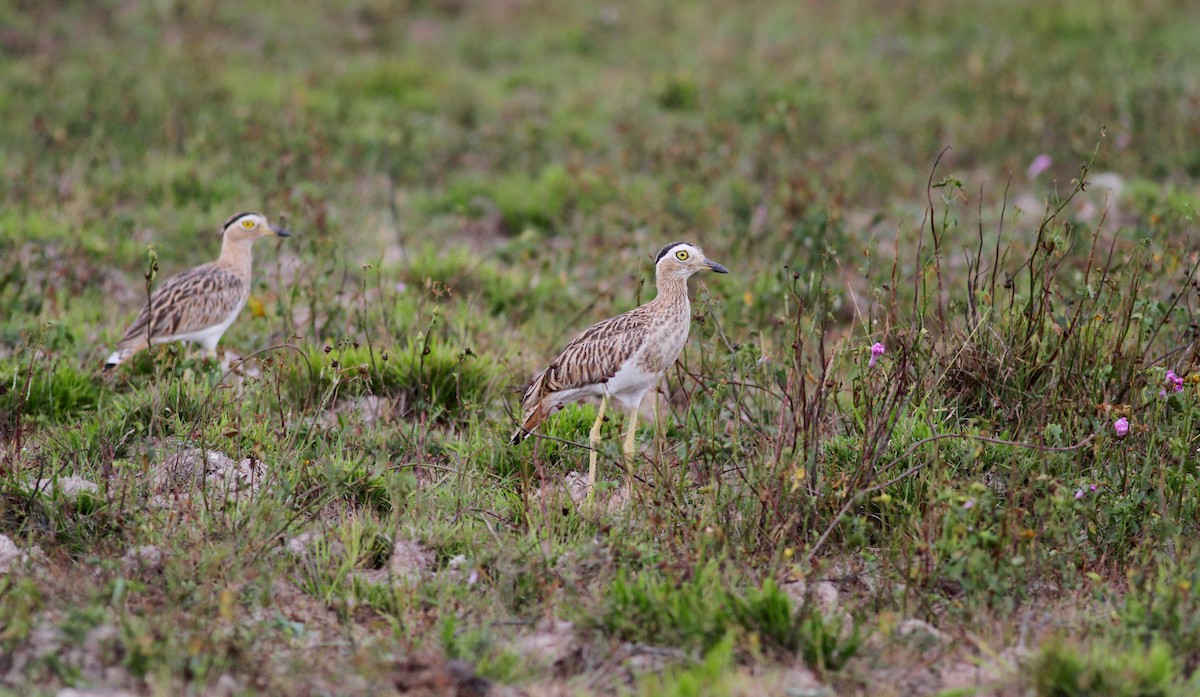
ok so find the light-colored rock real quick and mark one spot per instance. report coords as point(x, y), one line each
point(219, 472)
point(409, 564)
point(143, 559)
point(10, 554)
point(980, 673)
point(610, 500)
point(459, 568)
point(67, 487)
point(798, 681)
point(366, 410)
point(94, 661)
point(551, 642)
point(311, 542)
point(920, 631)
point(410, 561)
point(300, 544)
point(827, 596)
point(45, 639)
point(577, 486)
point(824, 594)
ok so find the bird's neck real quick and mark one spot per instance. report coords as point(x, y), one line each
point(235, 256)
point(672, 290)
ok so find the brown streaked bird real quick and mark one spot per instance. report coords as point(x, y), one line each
point(623, 357)
point(199, 304)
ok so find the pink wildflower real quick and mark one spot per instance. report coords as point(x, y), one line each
point(968, 504)
point(1040, 164)
point(1121, 426)
point(877, 350)
point(1173, 381)
point(1078, 494)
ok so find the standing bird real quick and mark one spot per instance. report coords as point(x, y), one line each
point(199, 304)
point(622, 357)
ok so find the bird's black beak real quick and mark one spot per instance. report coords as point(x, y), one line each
point(281, 232)
point(715, 266)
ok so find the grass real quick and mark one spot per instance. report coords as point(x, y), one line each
point(471, 184)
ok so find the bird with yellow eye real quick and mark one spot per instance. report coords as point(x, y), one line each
point(623, 357)
point(199, 304)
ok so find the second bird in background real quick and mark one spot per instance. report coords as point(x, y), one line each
point(623, 357)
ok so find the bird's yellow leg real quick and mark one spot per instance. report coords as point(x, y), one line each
point(629, 446)
point(594, 441)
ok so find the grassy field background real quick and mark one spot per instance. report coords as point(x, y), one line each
point(472, 183)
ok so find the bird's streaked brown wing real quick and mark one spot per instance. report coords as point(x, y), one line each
point(590, 359)
point(187, 302)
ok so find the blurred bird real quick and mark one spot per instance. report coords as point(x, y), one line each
point(199, 304)
point(623, 357)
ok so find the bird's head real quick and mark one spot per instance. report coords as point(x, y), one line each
point(681, 260)
point(247, 227)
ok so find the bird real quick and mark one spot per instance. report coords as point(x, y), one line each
point(623, 357)
point(199, 304)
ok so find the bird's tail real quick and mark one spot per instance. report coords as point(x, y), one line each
point(124, 350)
point(534, 411)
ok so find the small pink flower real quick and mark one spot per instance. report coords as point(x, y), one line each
point(877, 350)
point(1121, 426)
point(1040, 164)
point(968, 504)
point(1093, 487)
point(1162, 392)
point(1078, 494)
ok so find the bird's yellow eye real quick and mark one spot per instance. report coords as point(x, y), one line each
point(681, 255)
point(247, 224)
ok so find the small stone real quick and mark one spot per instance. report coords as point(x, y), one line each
point(981, 672)
point(67, 487)
point(824, 594)
point(920, 630)
point(365, 410)
point(300, 544)
point(143, 559)
point(410, 561)
point(10, 554)
point(798, 681)
point(551, 642)
point(191, 467)
point(304, 545)
point(409, 564)
point(459, 568)
point(577, 486)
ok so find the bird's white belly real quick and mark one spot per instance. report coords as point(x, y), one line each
point(631, 383)
point(207, 337)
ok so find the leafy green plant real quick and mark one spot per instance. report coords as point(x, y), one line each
point(706, 679)
point(1064, 671)
point(51, 393)
point(430, 375)
point(694, 614)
